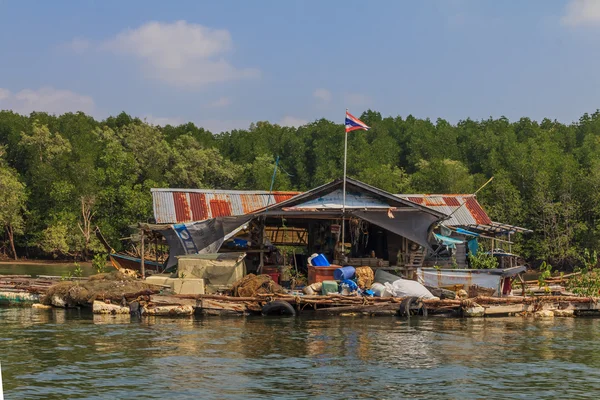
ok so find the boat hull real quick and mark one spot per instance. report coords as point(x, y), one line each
point(134, 263)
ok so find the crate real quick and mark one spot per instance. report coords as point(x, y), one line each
point(320, 274)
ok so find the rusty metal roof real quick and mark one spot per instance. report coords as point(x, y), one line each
point(465, 208)
point(173, 206)
point(185, 205)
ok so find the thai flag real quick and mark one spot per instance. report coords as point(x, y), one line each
point(353, 123)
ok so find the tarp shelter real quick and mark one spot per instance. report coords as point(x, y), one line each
point(388, 219)
point(200, 237)
point(394, 224)
point(367, 202)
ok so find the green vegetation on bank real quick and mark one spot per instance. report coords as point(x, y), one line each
point(62, 175)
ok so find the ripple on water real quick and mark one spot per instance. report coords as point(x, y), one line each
point(74, 355)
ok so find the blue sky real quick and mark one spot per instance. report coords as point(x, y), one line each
point(224, 64)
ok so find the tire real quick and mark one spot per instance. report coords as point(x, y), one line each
point(278, 308)
point(407, 305)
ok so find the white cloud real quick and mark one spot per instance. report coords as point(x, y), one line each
point(48, 99)
point(323, 95)
point(163, 121)
point(180, 53)
point(582, 12)
point(221, 102)
point(292, 121)
point(356, 99)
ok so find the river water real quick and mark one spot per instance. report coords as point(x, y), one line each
point(72, 354)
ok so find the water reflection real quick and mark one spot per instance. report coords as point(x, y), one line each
point(55, 354)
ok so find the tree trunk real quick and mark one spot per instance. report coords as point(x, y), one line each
point(86, 228)
point(11, 238)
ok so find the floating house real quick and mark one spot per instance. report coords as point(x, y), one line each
point(401, 232)
point(381, 230)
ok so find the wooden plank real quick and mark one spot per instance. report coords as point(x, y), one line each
point(504, 309)
point(162, 299)
point(208, 304)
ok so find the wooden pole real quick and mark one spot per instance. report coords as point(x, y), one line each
point(156, 249)
point(343, 258)
point(142, 254)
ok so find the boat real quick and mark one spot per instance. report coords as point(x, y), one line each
point(126, 261)
point(497, 281)
point(120, 260)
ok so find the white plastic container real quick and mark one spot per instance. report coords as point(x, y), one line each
point(380, 290)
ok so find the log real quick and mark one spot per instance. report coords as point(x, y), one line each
point(146, 292)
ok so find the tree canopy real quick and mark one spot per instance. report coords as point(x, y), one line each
point(59, 174)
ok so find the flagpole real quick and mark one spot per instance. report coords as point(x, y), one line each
point(344, 189)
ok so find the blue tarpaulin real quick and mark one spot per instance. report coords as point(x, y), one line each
point(473, 246)
point(466, 232)
point(448, 241)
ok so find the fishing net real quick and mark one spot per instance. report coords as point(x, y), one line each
point(364, 277)
point(109, 286)
point(251, 285)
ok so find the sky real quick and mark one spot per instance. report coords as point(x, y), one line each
point(225, 64)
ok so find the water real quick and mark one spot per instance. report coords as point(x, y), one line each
point(58, 354)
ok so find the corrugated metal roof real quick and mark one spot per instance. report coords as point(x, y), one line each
point(173, 206)
point(185, 205)
point(467, 210)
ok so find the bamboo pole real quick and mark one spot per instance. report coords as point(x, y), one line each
point(142, 255)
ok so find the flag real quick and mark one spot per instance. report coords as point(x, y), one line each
point(353, 123)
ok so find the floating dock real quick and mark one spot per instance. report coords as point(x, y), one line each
point(22, 290)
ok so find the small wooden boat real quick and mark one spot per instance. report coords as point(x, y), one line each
point(119, 261)
point(498, 279)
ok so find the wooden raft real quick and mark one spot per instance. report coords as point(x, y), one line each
point(338, 304)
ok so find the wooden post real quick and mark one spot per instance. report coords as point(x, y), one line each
point(262, 246)
point(520, 276)
point(156, 249)
point(142, 253)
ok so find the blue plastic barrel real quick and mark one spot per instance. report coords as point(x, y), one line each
point(344, 273)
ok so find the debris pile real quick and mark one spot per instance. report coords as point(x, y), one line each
point(113, 286)
point(252, 285)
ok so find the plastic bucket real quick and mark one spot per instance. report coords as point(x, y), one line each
point(274, 276)
point(319, 261)
point(344, 273)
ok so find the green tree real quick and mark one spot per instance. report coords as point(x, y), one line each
point(13, 197)
point(442, 176)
